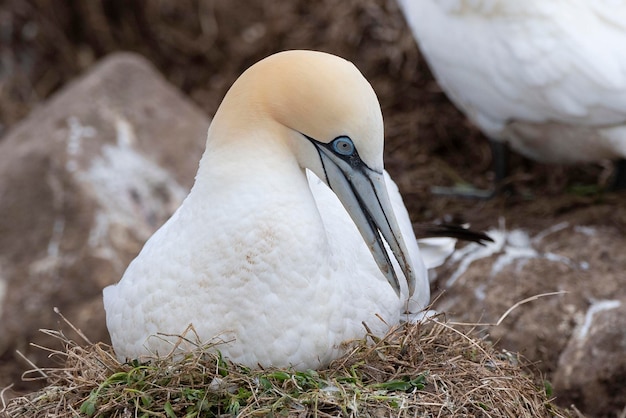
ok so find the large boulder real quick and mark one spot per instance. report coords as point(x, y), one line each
point(84, 181)
point(592, 369)
point(564, 274)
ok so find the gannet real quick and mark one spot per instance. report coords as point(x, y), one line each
point(288, 241)
point(546, 77)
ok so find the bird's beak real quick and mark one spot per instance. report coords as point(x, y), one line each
point(363, 193)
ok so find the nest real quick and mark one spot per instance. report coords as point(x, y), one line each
point(427, 369)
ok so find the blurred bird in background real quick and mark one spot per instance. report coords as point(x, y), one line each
point(547, 78)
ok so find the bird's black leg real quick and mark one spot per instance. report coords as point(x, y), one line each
point(619, 178)
point(500, 162)
point(500, 155)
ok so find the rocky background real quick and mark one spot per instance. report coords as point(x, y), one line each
point(96, 152)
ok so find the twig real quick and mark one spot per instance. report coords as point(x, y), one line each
point(530, 299)
point(35, 368)
point(4, 403)
point(76, 330)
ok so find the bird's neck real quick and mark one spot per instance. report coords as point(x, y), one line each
point(255, 159)
point(259, 198)
point(256, 175)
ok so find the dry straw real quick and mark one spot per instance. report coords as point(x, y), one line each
point(428, 369)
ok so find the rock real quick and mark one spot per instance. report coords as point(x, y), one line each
point(592, 368)
point(571, 266)
point(84, 181)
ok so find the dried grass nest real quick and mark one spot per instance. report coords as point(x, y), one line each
point(428, 369)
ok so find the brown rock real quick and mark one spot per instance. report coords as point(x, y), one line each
point(84, 181)
point(565, 258)
point(592, 368)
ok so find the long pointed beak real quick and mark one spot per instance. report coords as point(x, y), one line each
point(363, 193)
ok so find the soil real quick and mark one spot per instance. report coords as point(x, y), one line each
point(202, 47)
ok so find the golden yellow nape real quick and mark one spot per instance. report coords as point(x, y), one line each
point(293, 234)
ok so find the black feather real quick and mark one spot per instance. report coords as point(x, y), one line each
point(451, 231)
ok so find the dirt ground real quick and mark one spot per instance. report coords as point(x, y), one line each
point(202, 47)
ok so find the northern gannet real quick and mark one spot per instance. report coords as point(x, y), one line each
point(280, 248)
point(546, 77)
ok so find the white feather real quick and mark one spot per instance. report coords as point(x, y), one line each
point(549, 77)
point(261, 255)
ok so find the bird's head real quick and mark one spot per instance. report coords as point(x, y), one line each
point(322, 108)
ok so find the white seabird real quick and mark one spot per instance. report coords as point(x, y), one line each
point(262, 254)
point(546, 77)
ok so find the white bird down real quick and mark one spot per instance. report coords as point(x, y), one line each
point(548, 77)
point(262, 254)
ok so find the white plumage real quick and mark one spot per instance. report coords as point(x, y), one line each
point(548, 77)
point(259, 255)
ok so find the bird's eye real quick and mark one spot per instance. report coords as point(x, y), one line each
point(343, 145)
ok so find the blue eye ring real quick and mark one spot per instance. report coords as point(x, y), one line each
point(343, 145)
